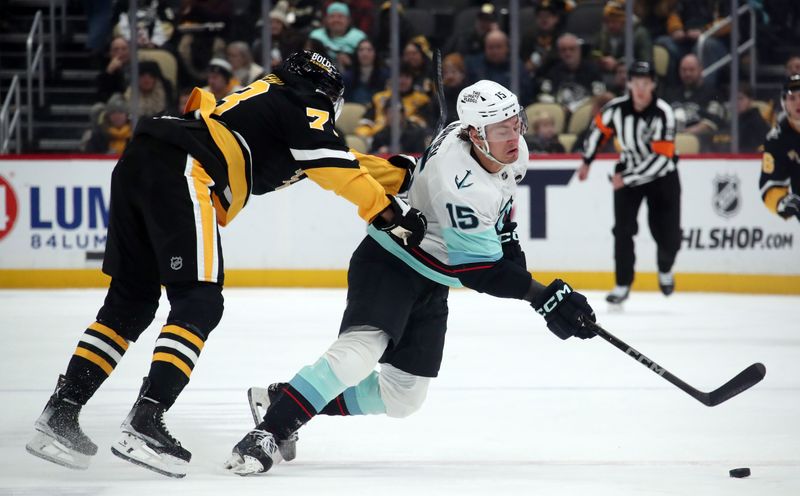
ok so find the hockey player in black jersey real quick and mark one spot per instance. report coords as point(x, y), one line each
point(780, 163)
point(644, 125)
point(177, 180)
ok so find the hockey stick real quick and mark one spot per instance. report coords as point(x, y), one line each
point(437, 65)
point(746, 379)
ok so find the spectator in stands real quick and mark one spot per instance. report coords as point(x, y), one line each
point(366, 76)
point(495, 64)
point(245, 70)
point(285, 39)
point(691, 19)
point(598, 102)
point(416, 106)
point(116, 76)
point(413, 136)
point(471, 42)
point(155, 95)
point(543, 137)
point(362, 13)
point(417, 55)
point(610, 50)
point(338, 35)
point(454, 79)
point(572, 80)
point(155, 23)
point(306, 13)
point(753, 127)
point(539, 42)
point(619, 83)
point(220, 79)
point(113, 131)
point(202, 28)
point(792, 65)
point(383, 32)
point(696, 104)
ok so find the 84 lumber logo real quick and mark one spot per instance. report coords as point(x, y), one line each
point(726, 199)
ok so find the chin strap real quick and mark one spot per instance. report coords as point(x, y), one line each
point(486, 153)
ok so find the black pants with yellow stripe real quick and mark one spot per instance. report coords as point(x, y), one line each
point(162, 231)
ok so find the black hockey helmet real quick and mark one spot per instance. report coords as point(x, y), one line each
point(790, 85)
point(641, 68)
point(320, 71)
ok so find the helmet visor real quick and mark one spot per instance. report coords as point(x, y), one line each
point(507, 130)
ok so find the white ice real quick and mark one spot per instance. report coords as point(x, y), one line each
point(514, 410)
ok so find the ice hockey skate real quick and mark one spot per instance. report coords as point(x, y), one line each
point(59, 438)
point(666, 282)
point(255, 454)
point(617, 296)
point(260, 399)
point(145, 440)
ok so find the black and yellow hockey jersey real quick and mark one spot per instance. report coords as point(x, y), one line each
point(780, 164)
point(269, 135)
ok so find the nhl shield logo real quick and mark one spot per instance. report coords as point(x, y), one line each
point(175, 263)
point(727, 198)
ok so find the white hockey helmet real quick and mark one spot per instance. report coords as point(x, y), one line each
point(485, 103)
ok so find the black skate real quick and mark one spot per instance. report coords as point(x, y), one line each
point(145, 440)
point(618, 295)
point(59, 438)
point(255, 454)
point(260, 399)
point(666, 282)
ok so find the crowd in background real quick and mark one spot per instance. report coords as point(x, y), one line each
point(217, 46)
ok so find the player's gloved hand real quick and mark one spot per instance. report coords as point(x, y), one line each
point(408, 224)
point(408, 163)
point(509, 241)
point(565, 311)
point(789, 205)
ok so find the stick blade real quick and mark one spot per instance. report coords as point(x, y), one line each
point(746, 379)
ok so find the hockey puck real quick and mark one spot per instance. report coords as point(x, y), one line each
point(740, 472)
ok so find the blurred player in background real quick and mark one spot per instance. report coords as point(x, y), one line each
point(644, 125)
point(465, 187)
point(780, 165)
point(175, 182)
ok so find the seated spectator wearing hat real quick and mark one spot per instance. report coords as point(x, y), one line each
point(113, 130)
point(417, 55)
point(454, 79)
point(245, 70)
point(416, 106)
point(337, 34)
point(221, 82)
point(610, 48)
point(538, 48)
point(285, 38)
point(155, 94)
point(543, 137)
point(471, 42)
point(366, 76)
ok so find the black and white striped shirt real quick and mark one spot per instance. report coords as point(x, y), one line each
point(647, 139)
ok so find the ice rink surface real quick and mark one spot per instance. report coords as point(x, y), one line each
point(514, 410)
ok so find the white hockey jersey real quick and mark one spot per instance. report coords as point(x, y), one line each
point(465, 205)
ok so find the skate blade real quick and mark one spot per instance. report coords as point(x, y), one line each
point(49, 448)
point(258, 398)
point(244, 465)
point(135, 450)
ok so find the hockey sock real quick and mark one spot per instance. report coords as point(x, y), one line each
point(361, 399)
point(174, 357)
point(99, 351)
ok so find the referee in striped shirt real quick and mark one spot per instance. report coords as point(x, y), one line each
point(644, 125)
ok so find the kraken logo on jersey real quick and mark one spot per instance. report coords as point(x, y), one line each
point(460, 182)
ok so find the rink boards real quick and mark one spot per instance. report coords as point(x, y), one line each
point(54, 214)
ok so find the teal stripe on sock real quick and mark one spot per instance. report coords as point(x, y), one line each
point(365, 398)
point(318, 384)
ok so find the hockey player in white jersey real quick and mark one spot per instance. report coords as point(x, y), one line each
point(396, 311)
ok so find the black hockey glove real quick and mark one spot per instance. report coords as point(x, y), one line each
point(789, 206)
point(564, 310)
point(408, 224)
point(509, 241)
point(408, 163)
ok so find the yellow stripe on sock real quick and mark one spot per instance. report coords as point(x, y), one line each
point(110, 333)
point(95, 359)
point(180, 331)
point(172, 359)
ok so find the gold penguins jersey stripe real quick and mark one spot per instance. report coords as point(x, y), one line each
point(387, 175)
point(205, 220)
point(354, 185)
point(188, 336)
point(172, 359)
point(107, 331)
point(237, 180)
point(95, 359)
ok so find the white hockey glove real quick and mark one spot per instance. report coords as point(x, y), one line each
point(789, 206)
